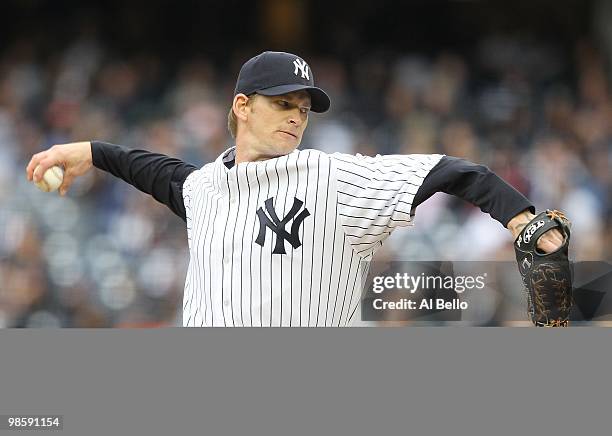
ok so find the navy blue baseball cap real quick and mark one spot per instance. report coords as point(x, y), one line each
point(276, 73)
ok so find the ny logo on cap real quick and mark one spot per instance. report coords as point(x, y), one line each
point(278, 225)
point(301, 65)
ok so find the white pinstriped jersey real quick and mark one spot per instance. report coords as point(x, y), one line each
point(281, 242)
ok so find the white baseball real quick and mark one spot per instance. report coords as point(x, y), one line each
point(51, 180)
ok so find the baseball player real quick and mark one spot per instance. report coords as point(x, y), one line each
point(277, 235)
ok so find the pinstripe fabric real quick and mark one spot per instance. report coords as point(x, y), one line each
point(331, 213)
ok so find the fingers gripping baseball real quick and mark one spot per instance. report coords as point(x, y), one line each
point(69, 177)
point(75, 158)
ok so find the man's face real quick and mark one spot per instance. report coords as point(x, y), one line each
point(276, 123)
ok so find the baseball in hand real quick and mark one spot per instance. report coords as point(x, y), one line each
point(51, 180)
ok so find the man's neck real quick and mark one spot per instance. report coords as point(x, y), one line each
point(246, 153)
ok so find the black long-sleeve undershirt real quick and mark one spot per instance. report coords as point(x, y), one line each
point(476, 184)
point(153, 173)
point(162, 177)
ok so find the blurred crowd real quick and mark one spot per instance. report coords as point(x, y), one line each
point(109, 255)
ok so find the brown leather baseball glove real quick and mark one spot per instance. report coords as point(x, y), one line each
point(547, 276)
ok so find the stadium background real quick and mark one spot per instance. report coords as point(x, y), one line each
point(523, 87)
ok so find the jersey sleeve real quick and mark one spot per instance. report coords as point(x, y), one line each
point(187, 193)
point(375, 194)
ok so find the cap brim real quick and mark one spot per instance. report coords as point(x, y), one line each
point(319, 100)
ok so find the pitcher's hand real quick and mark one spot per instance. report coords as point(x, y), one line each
point(75, 157)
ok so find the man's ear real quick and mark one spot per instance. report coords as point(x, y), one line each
point(239, 106)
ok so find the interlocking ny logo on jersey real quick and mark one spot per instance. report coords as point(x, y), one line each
point(301, 66)
point(277, 226)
